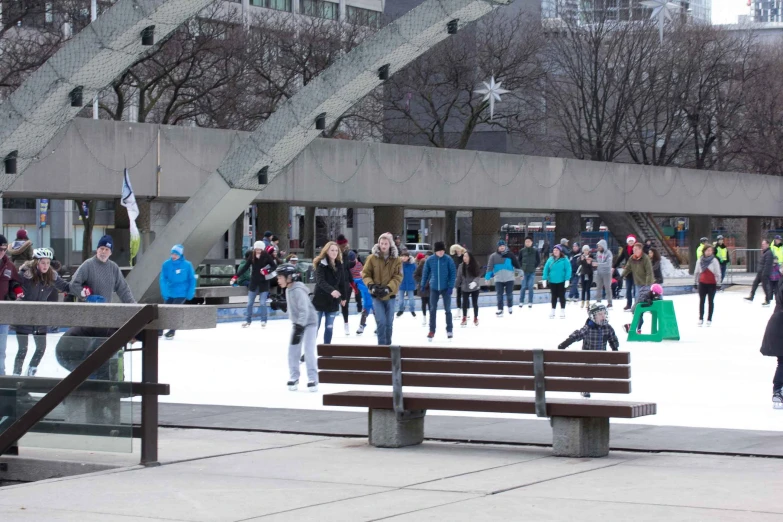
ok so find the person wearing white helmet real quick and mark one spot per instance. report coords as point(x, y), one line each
point(39, 282)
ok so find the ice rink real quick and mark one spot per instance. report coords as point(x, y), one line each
point(713, 377)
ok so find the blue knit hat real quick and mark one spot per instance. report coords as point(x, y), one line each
point(106, 241)
point(178, 249)
point(501, 243)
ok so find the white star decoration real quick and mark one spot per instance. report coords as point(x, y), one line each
point(662, 10)
point(491, 92)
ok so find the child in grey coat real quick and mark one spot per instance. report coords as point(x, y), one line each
point(305, 327)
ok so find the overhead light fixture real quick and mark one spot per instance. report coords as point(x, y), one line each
point(453, 26)
point(10, 162)
point(76, 96)
point(148, 36)
point(320, 122)
point(263, 176)
point(383, 72)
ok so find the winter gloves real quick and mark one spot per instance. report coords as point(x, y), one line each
point(18, 292)
point(379, 292)
point(473, 285)
point(233, 281)
point(543, 283)
point(567, 283)
point(562, 346)
point(296, 334)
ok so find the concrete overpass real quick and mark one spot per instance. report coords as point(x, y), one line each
point(86, 161)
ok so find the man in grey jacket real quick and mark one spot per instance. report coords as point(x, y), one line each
point(603, 271)
point(305, 327)
point(99, 278)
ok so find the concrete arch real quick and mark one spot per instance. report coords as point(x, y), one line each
point(40, 107)
point(291, 128)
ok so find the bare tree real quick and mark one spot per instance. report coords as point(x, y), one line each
point(433, 101)
point(87, 215)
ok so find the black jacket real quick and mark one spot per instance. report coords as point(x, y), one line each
point(586, 264)
point(327, 280)
point(38, 292)
point(258, 282)
point(772, 345)
point(765, 265)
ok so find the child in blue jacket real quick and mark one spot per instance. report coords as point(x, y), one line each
point(177, 281)
point(408, 285)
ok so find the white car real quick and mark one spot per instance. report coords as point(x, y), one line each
point(415, 248)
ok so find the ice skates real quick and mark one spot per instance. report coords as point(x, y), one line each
point(293, 385)
point(312, 387)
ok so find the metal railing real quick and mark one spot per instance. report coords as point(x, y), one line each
point(148, 388)
point(742, 261)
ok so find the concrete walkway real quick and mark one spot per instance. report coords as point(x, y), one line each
point(224, 476)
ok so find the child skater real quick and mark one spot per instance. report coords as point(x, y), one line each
point(305, 326)
point(594, 334)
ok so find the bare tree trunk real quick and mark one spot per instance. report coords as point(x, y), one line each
point(309, 233)
point(450, 234)
point(88, 220)
point(567, 225)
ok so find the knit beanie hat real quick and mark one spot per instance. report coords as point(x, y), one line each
point(420, 256)
point(3, 240)
point(178, 249)
point(341, 240)
point(259, 245)
point(502, 243)
point(440, 246)
point(21, 234)
point(268, 233)
point(106, 241)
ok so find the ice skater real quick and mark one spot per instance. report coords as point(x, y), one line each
point(440, 274)
point(595, 334)
point(772, 346)
point(762, 276)
point(469, 282)
point(304, 320)
point(706, 279)
point(424, 291)
point(408, 285)
point(501, 266)
point(557, 274)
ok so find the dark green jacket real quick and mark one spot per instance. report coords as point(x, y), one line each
point(641, 269)
point(529, 259)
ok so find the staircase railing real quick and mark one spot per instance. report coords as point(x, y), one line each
point(149, 388)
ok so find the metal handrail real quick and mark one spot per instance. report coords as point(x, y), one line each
point(125, 334)
point(662, 239)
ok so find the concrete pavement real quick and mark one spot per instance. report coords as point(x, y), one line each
point(220, 476)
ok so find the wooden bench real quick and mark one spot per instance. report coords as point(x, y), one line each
point(396, 419)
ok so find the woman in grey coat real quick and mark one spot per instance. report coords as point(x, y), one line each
point(469, 282)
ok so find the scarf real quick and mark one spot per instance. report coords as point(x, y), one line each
point(705, 261)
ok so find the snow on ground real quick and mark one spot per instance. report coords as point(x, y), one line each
point(713, 377)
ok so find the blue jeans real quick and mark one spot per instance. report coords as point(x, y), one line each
point(508, 288)
point(251, 299)
point(527, 283)
point(384, 319)
point(3, 341)
point(723, 267)
point(573, 289)
point(434, 296)
point(630, 290)
point(402, 295)
point(329, 325)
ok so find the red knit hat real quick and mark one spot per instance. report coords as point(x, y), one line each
point(21, 234)
point(341, 240)
point(420, 256)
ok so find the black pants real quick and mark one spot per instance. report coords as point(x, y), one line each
point(347, 304)
point(765, 284)
point(706, 290)
point(587, 283)
point(777, 381)
point(468, 296)
point(459, 298)
point(558, 293)
point(425, 302)
point(773, 289)
point(40, 349)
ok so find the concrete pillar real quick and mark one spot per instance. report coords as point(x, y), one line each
point(699, 226)
point(308, 234)
point(450, 228)
point(61, 229)
point(567, 225)
point(580, 437)
point(385, 430)
point(238, 236)
point(388, 219)
point(486, 233)
point(274, 217)
point(198, 224)
point(754, 232)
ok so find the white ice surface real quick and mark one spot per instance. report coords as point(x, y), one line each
point(713, 377)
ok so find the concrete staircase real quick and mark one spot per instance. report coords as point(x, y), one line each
point(643, 226)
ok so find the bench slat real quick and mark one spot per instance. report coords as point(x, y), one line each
point(473, 381)
point(600, 371)
point(493, 404)
point(475, 354)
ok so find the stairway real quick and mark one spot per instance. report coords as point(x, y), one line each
point(641, 225)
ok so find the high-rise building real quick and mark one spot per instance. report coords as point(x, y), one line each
point(622, 10)
point(766, 10)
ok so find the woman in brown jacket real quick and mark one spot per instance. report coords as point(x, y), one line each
point(382, 273)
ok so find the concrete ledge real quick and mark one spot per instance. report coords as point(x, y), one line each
point(178, 317)
point(221, 291)
point(21, 469)
point(387, 431)
point(580, 436)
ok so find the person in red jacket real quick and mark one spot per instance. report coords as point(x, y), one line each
point(10, 289)
point(706, 278)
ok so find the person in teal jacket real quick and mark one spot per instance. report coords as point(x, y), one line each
point(557, 275)
point(177, 281)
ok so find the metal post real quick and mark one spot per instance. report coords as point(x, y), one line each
point(149, 402)
point(93, 17)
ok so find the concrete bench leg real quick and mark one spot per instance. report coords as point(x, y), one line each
point(580, 436)
point(387, 431)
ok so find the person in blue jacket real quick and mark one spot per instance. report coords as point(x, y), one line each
point(501, 266)
point(408, 285)
point(177, 281)
point(441, 274)
point(557, 275)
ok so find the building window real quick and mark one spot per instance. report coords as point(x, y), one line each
point(366, 17)
point(278, 5)
point(19, 203)
point(321, 9)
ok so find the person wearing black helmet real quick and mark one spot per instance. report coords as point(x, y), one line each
point(305, 327)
